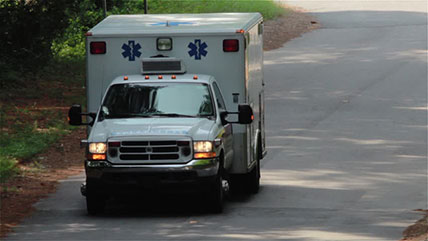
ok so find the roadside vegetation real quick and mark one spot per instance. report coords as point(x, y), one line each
point(42, 63)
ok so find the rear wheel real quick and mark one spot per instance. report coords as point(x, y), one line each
point(254, 176)
point(254, 179)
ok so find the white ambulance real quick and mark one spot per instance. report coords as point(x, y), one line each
point(175, 101)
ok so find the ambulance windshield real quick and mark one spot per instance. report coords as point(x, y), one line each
point(155, 100)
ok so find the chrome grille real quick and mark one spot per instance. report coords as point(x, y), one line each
point(156, 150)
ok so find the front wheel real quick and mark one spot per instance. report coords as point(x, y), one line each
point(216, 197)
point(95, 202)
point(95, 205)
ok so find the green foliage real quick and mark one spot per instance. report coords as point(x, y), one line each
point(267, 8)
point(27, 29)
point(26, 141)
point(8, 168)
point(30, 140)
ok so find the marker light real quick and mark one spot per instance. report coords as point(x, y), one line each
point(195, 77)
point(147, 77)
point(240, 31)
point(164, 44)
point(97, 156)
point(204, 155)
point(97, 147)
point(125, 78)
point(88, 34)
point(98, 47)
point(173, 77)
point(160, 77)
point(230, 45)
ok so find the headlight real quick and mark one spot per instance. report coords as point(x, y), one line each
point(97, 147)
point(202, 146)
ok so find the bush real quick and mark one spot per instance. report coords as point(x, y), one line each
point(8, 169)
point(27, 30)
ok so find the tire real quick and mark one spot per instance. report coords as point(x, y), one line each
point(216, 202)
point(217, 195)
point(95, 205)
point(254, 179)
point(254, 175)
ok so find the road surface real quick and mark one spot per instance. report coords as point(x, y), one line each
point(346, 111)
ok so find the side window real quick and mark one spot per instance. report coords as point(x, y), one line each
point(260, 28)
point(219, 97)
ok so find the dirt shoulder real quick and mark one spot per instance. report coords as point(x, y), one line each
point(278, 31)
point(39, 177)
point(419, 230)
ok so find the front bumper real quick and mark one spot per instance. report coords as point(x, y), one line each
point(106, 178)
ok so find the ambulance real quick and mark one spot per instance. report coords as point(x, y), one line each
point(175, 102)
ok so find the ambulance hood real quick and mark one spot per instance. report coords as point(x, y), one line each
point(196, 128)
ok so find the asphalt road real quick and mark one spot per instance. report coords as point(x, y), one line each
point(346, 119)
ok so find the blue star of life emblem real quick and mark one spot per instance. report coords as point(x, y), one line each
point(171, 23)
point(131, 50)
point(197, 49)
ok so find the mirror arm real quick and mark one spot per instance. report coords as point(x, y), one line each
point(92, 115)
point(232, 122)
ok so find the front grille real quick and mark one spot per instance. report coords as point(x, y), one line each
point(157, 150)
point(135, 143)
point(134, 157)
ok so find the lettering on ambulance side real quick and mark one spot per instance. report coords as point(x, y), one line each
point(131, 50)
point(197, 49)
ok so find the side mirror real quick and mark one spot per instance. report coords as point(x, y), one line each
point(75, 115)
point(245, 114)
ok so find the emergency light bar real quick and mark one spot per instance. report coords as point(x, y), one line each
point(163, 65)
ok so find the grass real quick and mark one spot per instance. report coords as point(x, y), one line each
point(33, 116)
point(8, 168)
point(30, 141)
point(267, 8)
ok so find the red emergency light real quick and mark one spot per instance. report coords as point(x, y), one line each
point(98, 47)
point(230, 45)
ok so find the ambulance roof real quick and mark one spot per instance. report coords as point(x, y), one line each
point(175, 24)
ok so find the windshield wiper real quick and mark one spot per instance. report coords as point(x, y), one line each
point(173, 115)
point(114, 116)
